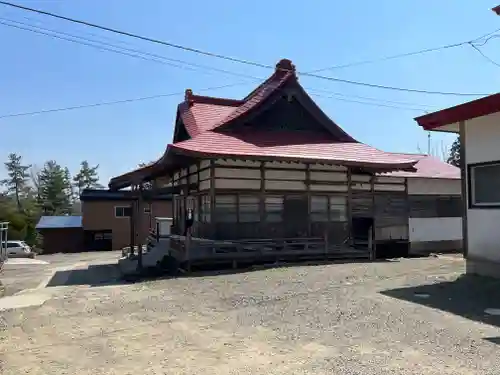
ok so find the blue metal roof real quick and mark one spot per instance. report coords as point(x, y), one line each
point(53, 222)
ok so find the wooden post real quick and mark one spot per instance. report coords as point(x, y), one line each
point(187, 248)
point(262, 199)
point(325, 234)
point(349, 207)
point(139, 211)
point(370, 242)
point(198, 221)
point(213, 214)
point(132, 224)
point(373, 231)
point(308, 194)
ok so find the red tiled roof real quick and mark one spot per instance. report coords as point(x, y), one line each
point(200, 117)
point(202, 113)
point(291, 146)
point(428, 167)
point(463, 112)
point(272, 84)
point(205, 118)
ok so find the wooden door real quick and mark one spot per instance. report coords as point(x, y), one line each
point(295, 212)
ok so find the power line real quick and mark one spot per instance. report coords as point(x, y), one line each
point(400, 55)
point(372, 104)
point(392, 57)
point(219, 56)
point(402, 89)
point(91, 45)
point(484, 55)
point(136, 36)
point(101, 104)
point(368, 98)
point(114, 47)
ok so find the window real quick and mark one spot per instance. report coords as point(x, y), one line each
point(205, 209)
point(449, 206)
point(123, 211)
point(226, 208)
point(328, 208)
point(103, 236)
point(338, 208)
point(274, 209)
point(319, 208)
point(484, 185)
point(249, 209)
point(435, 206)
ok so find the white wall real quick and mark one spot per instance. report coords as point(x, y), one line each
point(482, 136)
point(435, 229)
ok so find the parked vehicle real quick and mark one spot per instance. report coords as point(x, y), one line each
point(19, 249)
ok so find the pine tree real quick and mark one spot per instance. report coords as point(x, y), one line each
point(17, 182)
point(86, 178)
point(454, 155)
point(54, 189)
point(146, 185)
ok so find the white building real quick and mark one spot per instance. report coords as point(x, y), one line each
point(434, 206)
point(477, 123)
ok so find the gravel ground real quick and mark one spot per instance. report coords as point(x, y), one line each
point(324, 319)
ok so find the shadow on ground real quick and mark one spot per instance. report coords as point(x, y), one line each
point(94, 275)
point(227, 269)
point(467, 296)
point(109, 274)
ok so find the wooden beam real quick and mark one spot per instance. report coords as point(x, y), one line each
point(262, 195)
point(349, 206)
point(308, 194)
point(139, 211)
point(213, 218)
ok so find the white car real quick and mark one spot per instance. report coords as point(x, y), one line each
point(19, 249)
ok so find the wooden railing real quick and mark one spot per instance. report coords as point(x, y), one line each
point(194, 247)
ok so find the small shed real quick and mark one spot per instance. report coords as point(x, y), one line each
point(61, 234)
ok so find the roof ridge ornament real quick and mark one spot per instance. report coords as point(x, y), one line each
point(188, 94)
point(285, 65)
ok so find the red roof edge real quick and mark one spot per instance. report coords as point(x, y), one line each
point(389, 167)
point(462, 112)
point(496, 10)
point(189, 97)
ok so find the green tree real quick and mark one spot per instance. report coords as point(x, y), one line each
point(147, 185)
point(87, 177)
point(55, 189)
point(17, 181)
point(454, 154)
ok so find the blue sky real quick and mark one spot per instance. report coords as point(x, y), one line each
point(38, 72)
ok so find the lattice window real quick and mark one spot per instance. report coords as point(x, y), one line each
point(249, 209)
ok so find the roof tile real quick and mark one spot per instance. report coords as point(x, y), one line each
point(290, 145)
point(428, 167)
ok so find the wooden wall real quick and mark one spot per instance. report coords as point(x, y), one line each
point(222, 190)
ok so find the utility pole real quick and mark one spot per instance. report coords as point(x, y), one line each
point(428, 143)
